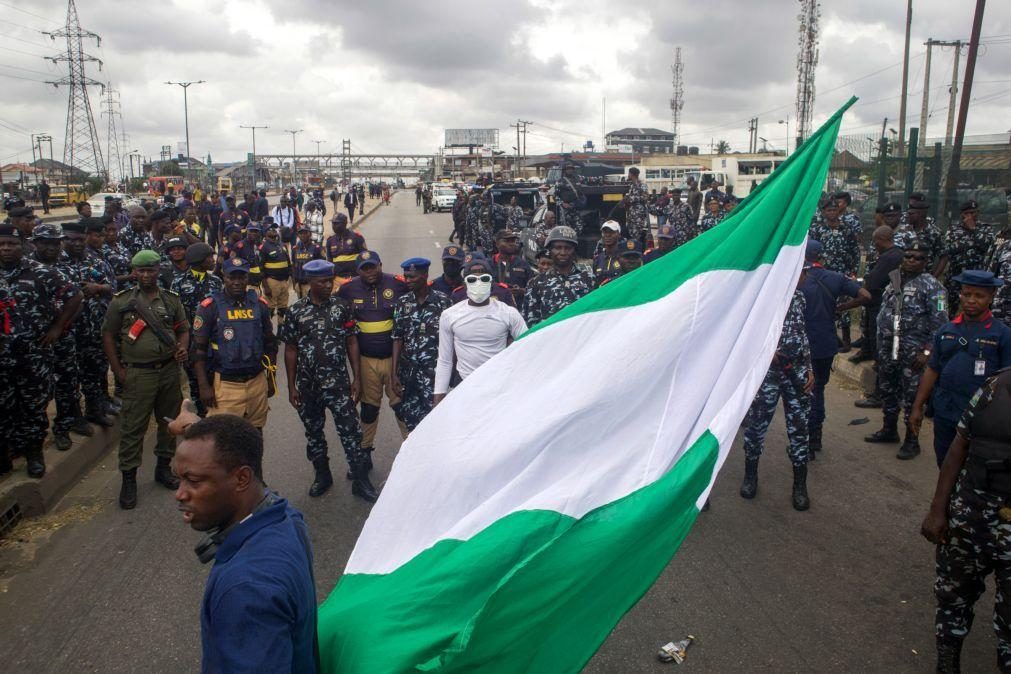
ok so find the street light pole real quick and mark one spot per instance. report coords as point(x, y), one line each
point(186, 113)
point(294, 160)
point(253, 128)
point(318, 169)
point(786, 151)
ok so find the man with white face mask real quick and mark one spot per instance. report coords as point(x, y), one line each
point(471, 332)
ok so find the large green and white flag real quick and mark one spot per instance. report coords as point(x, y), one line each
point(544, 496)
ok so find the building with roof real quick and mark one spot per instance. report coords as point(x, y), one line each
point(641, 140)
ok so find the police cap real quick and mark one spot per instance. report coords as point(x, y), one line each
point(232, 228)
point(235, 265)
point(453, 253)
point(416, 264)
point(145, 258)
point(970, 205)
point(665, 232)
point(21, 211)
point(254, 227)
point(562, 234)
point(918, 246)
point(368, 257)
point(814, 250)
point(917, 202)
point(267, 221)
point(476, 259)
point(891, 207)
point(160, 215)
point(11, 203)
point(339, 217)
point(630, 248)
point(318, 269)
point(73, 227)
point(198, 252)
point(51, 231)
point(93, 224)
point(978, 278)
point(176, 242)
point(7, 229)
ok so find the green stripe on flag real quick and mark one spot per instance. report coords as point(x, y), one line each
point(534, 578)
point(752, 235)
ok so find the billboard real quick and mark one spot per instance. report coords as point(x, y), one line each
point(471, 137)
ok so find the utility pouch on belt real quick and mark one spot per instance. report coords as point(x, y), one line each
point(989, 475)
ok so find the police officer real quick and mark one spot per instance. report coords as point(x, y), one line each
point(175, 249)
point(452, 266)
point(970, 521)
point(193, 287)
point(665, 243)
point(549, 293)
point(637, 210)
point(136, 237)
point(916, 225)
point(48, 239)
point(416, 341)
point(605, 262)
point(147, 326)
point(912, 310)
point(31, 321)
point(569, 198)
point(789, 376)
point(276, 272)
point(319, 343)
point(232, 216)
point(998, 261)
point(304, 251)
point(713, 216)
point(841, 253)
point(343, 248)
point(509, 267)
point(234, 349)
point(964, 246)
point(373, 296)
point(117, 255)
point(93, 276)
point(965, 352)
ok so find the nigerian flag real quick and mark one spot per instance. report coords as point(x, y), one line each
point(543, 497)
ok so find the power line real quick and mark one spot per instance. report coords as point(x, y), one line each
point(28, 70)
point(25, 11)
point(28, 79)
point(18, 51)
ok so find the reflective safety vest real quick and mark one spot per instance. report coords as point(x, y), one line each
point(237, 340)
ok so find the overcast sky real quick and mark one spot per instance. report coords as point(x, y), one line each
point(391, 75)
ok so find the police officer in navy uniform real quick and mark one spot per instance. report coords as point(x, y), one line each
point(30, 323)
point(665, 243)
point(509, 267)
point(320, 341)
point(965, 352)
point(234, 348)
point(452, 266)
point(629, 259)
point(416, 341)
point(373, 296)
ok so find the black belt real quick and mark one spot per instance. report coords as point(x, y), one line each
point(239, 378)
point(150, 366)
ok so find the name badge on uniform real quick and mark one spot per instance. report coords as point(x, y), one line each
point(980, 369)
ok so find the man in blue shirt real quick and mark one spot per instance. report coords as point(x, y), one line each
point(966, 351)
point(822, 288)
point(259, 606)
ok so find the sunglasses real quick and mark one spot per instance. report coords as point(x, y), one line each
point(911, 256)
point(474, 278)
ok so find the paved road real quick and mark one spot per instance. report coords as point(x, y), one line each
point(844, 587)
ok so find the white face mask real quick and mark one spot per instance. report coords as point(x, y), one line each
point(479, 290)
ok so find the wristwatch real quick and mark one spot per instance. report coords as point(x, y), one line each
point(926, 352)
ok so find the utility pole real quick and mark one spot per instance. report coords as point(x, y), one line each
point(882, 161)
point(318, 143)
point(81, 147)
point(524, 123)
point(186, 115)
point(677, 101)
point(517, 127)
point(753, 134)
point(953, 92)
point(925, 105)
point(951, 183)
point(294, 160)
point(253, 128)
point(905, 82)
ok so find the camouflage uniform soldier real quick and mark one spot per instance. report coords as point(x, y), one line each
point(964, 247)
point(549, 293)
point(476, 234)
point(29, 326)
point(320, 339)
point(969, 521)
point(841, 253)
point(998, 261)
point(637, 210)
point(679, 219)
point(713, 216)
point(193, 286)
point(912, 310)
point(915, 225)
point(569, 199)
point(791, 377)
point(48, 241)
point(416, 342)
point(96, 280)
point(117, 256)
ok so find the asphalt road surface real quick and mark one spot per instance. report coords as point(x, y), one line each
point(844, 587)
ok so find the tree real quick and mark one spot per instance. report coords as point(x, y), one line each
point(170, 168)
point(722, 147)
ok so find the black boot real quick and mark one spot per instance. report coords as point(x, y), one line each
point(163, 474)
point(368, 462)
point(800, 499)
point(861, 355)
point(889, 432)
point(34, 463)
point(128, 491)
point(749, 487)
point(324, 478)
point(81, 427)
point(910, 448)
point(814, 439)
point(847, 345)
point(870, 402)
point(61, 440)
point(98, 416)
point(949, 655)
point(361, 486)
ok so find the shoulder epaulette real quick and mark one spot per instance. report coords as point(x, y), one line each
point(207, 302)
point(502, 285)
point(400, 277)
point(170, 292)
point(122, 292)
point(264, 300)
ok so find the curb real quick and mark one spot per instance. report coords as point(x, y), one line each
point(858, 374)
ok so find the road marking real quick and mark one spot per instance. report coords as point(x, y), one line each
point(438, 245)
point(432, 232)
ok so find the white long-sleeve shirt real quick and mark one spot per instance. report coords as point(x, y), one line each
point(473, 334)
